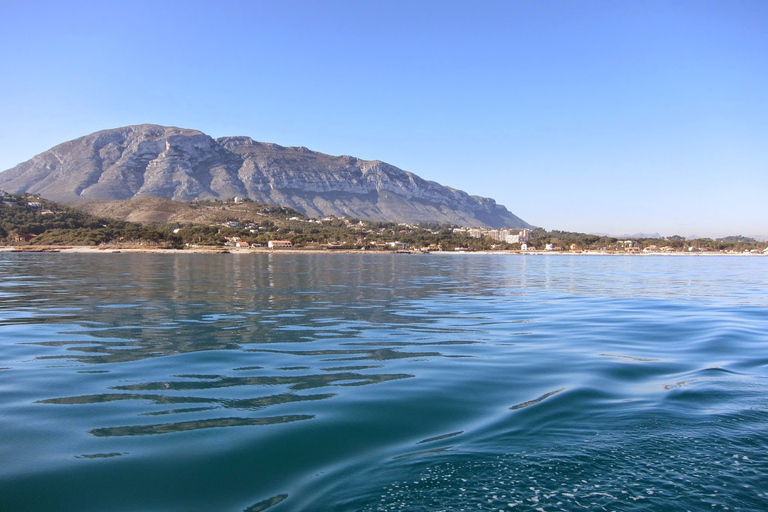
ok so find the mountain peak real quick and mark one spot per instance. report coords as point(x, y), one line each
point(149, 160)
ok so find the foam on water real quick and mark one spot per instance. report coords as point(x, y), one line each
point(634, 471)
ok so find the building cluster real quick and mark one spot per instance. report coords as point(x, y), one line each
point(9, 199)
point(33, 203)
point(235, 241)
point(508, 235)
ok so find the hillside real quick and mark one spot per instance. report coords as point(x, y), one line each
point(27, 220)
point(183, 165)
point(30, 219)
point(154, 210)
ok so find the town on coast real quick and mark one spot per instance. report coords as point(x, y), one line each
point(29, 223)
point(133, 249)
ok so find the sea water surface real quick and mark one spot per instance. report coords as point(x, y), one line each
point(289, 382)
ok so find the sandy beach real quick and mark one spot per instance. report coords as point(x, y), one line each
point(133, 249)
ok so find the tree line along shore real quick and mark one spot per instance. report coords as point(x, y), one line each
point(31, 223)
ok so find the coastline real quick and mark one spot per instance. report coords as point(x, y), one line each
point(79, 249)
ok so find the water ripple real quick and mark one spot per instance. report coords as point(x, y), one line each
point(435, 383)
point(166, 428)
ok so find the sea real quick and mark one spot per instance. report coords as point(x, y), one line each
point(392, 382)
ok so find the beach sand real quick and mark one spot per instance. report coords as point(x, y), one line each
point(132, 249)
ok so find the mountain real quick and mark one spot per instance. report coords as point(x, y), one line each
point(183, 165)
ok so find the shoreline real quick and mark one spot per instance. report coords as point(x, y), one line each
point(85, 249)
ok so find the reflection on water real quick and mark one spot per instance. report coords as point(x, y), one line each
point(265, 504)
point(536, 400)
point(376, 382)
point(165, 428)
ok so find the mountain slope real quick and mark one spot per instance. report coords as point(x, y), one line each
point(182, 164)
point(155, 210)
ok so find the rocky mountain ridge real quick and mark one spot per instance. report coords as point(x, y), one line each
point(183, 165)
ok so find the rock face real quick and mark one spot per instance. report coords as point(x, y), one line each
point(183, 165)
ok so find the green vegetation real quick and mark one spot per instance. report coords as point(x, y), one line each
point(737, 239)
point(29, 220)
point(565, 240)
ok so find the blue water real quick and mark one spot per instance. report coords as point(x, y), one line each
point(382, 382)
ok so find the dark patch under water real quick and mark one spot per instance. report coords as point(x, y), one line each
point(382, 382)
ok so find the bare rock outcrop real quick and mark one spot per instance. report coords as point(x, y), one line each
point(183, 165)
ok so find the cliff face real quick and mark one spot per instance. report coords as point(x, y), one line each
point(180, 164)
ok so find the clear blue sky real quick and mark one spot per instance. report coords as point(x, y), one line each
point(595, 116)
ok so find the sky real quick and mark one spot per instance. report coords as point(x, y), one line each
point(609, 116)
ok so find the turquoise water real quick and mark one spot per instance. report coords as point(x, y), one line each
point(382, 382)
